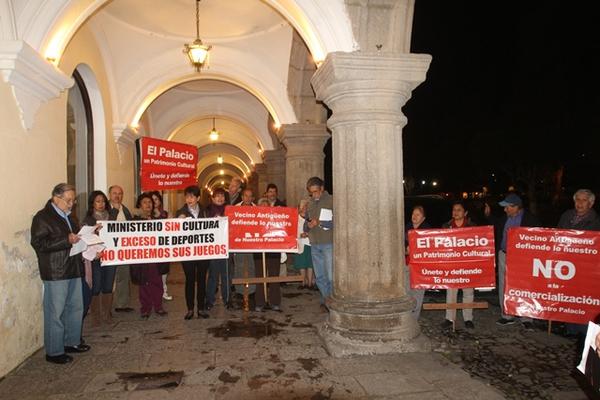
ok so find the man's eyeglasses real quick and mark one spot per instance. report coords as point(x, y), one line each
point(69, 202)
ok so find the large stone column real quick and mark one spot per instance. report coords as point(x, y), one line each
point(369, 310)
point(262, 180)
point(275, 162)
point(304, 157)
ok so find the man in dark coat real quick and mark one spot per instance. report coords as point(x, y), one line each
point(514, 216)
point(272, 261)
point(53, 234)
point(118, 212)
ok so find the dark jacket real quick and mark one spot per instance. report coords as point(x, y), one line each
point(318, 235)
point(184, 211)
point(50, 240)
point(591, 222)
point(529, 221)
point(232, 200)
point(279, 203)
point(448, 225)
point(113, 212)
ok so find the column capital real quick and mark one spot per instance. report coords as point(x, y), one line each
point(361, 87)
point(302, 140)
point(276, 156)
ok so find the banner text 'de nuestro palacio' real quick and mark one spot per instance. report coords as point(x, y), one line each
point(553, 274)
point(254, 229)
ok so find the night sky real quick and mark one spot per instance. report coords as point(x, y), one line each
point(513, 90)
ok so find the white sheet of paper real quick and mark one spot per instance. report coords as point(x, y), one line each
point(93, 250)
point(590, 341)
point(326, 214)
point(78, 248)
point(88, 235)
point(87, 238)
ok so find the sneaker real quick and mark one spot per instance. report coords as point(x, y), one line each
point(259, 309)
point(469, 325)
point(276, 308)
point(167, 297)
point(528, 326)
point(505, 321)
point(447, 324)
point(323, 308)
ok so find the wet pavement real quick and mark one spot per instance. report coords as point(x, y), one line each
point(271, 355)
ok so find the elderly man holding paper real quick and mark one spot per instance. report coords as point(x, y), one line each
point(53, 236)
point(319, 226)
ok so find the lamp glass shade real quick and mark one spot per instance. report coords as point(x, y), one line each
point(197, 53)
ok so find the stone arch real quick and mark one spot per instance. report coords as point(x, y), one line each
point(99, 125)
point(324, 25)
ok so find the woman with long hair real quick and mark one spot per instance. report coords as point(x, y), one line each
point(194, 270)
point(102, 278)
point(148, 275)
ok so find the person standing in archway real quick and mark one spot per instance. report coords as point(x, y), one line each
point(118, 212)
point(581, 217)
point(319, 226)
point(53, 234)
point(459, 220)
point(194, 270)
point(417, 221)
point(272, 261)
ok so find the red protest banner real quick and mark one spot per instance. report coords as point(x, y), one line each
point(166, 165)
point(452, 258)
point(262, 229)
point(553, 274)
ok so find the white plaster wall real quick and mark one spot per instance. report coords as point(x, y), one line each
point(31, 163)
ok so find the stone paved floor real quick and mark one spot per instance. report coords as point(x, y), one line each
point(279, 356)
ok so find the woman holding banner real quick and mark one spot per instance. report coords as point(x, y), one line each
point(161, 213)
point(195, 270)
point(459, 220)
point(217, 267)
point(147, 276)
point(102, 278)
point(417, 221)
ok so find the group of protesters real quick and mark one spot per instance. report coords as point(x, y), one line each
point(581, 217)
point(73, 285)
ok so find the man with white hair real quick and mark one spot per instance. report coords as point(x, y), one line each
point(583, 216)
point(53, 234)
point(234, 191)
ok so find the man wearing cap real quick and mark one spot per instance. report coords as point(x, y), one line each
point(53, 234)
point(515, 216)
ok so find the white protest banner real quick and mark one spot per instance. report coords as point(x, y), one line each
point(164, 240)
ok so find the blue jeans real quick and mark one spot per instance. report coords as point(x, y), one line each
point(103, 278)
point(418, 294)
point(322, 259)
point(63, 315)
point(216, 268)
point(86, 295)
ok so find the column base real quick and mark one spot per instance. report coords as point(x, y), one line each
point(364, 328)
